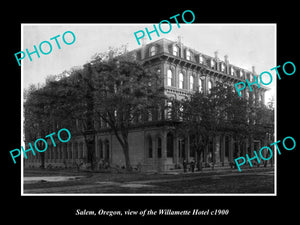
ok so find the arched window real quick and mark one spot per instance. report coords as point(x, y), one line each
point(181, 81)
point(175, 50)
point(70, 155)
point(247, 95)
point(152, 51)
point(170, 145)
point(150, 149)
point(80, 151)
point(159, 147)
point(106, 145)
point(191, 82)
point(169, 110)
point(181, 148)
point(100, 149)
point(200, 85)
point(170, 80)
point(209, 85)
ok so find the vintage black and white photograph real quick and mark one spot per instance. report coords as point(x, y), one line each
point(108, 112)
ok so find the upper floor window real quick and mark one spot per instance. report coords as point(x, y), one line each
point(232, 72)
point(152, 51)
point(169, 110)
point(150, 149)
point(175, 50)
point(170, 78)
point(241, 73)
point(247, 95)
point(212, 63)
point(191, 82)
point(200, 85)
point(222, 67)
point(181, 81)
point(188, 54)
point(200, 59)
point(209, 85)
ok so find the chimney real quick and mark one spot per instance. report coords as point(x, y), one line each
point(143, 49)
point(216, 54)
point(180, 45)
point(179, 39)
point(253, 70)
point(143, 42)
point(226, 59)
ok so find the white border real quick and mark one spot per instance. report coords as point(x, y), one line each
point(138, 194)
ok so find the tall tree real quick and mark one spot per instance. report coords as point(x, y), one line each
point(207, 114)
point(37, 117)
point(125, 91)
point(115, 90)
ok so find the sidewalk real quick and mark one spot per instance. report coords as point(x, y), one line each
point(219, 169)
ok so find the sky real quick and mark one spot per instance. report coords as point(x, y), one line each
point(246, 45)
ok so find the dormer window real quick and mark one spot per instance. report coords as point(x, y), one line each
point(175, 50)
point(212, 63)
point(188, 54)
point(232, 72)
point(200, 59)
point(222, 67)
point(250, 76)
point(152, 51)
point(241, 73)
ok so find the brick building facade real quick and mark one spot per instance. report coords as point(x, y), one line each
point(156, 145)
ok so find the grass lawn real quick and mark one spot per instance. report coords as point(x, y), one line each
point(252, 181)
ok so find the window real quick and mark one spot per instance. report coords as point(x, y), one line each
point(158, 147)
point(170, 78)
point(222, 67)
point(209, 86)
point(169, 110)
point(100, 149)
point(191, 83)
point(200, 85)
point(212, 63)
point(150, 150)
point(181, 81)
point(170, 145)
point(200, 59)
point(106, 146)
point(188, 54)
point(232, 71)
point(149, 111)
point(152, 50)
point(175, 50)
point(241, 73)
point(180, 113)
point(247, 95)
